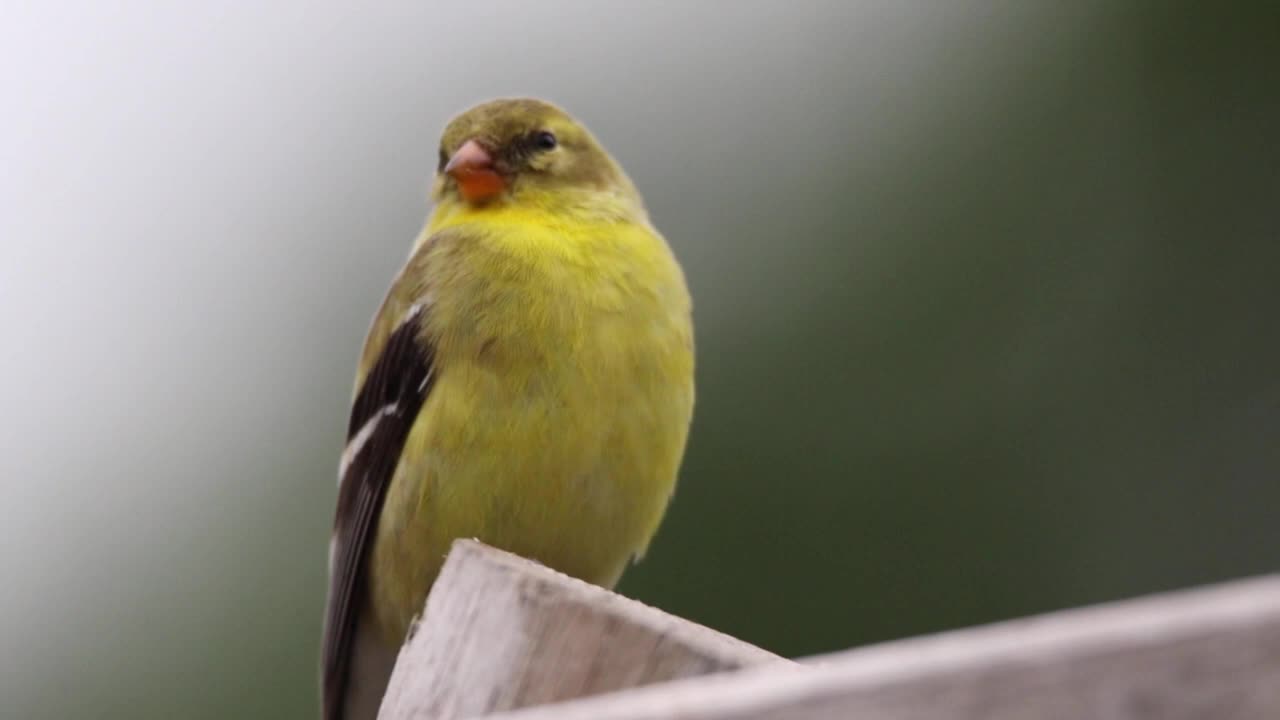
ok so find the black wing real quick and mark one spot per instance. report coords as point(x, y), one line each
point(381, 417)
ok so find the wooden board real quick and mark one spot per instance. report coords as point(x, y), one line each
point(500, 632)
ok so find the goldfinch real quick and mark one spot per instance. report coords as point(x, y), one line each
point(527, 381)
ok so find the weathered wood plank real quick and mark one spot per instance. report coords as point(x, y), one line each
point(500, 632)
point(1205, 654)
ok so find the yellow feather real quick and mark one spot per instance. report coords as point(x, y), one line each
point(561, 361)
point(563, 397)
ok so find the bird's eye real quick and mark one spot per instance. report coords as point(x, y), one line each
point(544, 140)
point(444, 160)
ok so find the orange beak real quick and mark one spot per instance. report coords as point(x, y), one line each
point(472, 168)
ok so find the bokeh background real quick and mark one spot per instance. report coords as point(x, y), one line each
point(986, 291)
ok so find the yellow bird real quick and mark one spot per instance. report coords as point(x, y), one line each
point(528, 381)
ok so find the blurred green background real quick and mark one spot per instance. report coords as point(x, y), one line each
point(986, 291)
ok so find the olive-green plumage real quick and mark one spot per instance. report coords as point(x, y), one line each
point(552, 338)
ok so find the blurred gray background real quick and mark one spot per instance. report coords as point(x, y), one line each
point(986, 296)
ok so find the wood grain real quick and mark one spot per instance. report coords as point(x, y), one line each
point(500, 632)
point(1205, 654)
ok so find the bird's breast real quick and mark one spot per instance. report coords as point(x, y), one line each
point(557, 419)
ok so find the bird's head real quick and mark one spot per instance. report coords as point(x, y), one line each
point(526, 151)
